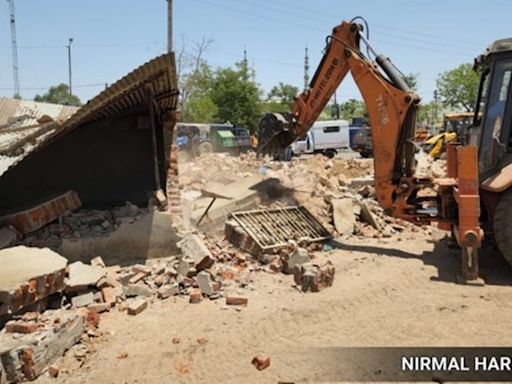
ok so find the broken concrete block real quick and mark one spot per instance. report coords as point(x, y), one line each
point(137, 306)
point(367, 215)
point(7, 237)
point(299, 256)
point(261, 361)
point(81, 276)
point(313, 277)
point(28, 275)
point(358, 182)
point(133, 290)
point(343, 216)
point(82, 300)
point(236, 300)
point(25, 357)
point(183, 267)
point(143, 269)
point(193, 247)
point(97, 262)
point(168, 291)
point(204, 282)
point(99, 307)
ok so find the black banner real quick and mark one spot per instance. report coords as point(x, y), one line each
point(406, 364)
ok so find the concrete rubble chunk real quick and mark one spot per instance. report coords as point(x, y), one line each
point(82, 300)
point(193, 247)
point(137, 306)
point(97, 262)
point(343, 216)
point(358, 182)
point(313, 277)
point(28, 275)
point(168, 291)
point(132, 290)
point(204, 283)
point(367, 215)
point(81, 276)
point(298, 256)
point(25, 357)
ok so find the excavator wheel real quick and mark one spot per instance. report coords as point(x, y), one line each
point(503, 225)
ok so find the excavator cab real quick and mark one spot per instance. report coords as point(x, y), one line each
point(491, 132)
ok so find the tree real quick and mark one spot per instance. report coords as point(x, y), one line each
point(412, 81)
point(59, 94)
point(236, 96)
point(352, 108)
point(458, 88)
point(192, 71)
point(284, 94)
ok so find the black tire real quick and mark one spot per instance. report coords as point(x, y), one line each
point(330, 153)
point(503, 226)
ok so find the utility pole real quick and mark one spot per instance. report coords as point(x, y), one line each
point(14, 47)
point(69, 66)
point(306, 69)
point(435, 108)
point(169, 26)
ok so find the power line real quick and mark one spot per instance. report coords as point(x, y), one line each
point(48, 87)
point(309, 10)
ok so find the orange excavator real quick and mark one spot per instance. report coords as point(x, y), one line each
point(392, 108)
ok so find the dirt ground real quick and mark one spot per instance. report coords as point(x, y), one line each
point(400, 294)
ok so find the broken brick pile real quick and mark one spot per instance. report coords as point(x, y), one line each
point(338, 192)
point(80, 224)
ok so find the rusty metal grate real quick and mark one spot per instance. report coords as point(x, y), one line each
point(272, 228)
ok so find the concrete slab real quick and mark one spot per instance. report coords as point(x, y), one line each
point(26, 356)
point(343, 216)
point(150, 237)
point(81, 276)
point(27, 275)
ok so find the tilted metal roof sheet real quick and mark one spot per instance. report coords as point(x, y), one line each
point(127, 95)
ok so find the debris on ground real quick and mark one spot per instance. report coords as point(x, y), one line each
point(261, 361)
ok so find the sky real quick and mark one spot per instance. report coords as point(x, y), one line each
point(113, 37)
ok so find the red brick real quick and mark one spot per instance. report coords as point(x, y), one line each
point(236, 300)
point(138, 277)
point(261, 361)
point(195, 296)
point(20, 326)
point(109, 295)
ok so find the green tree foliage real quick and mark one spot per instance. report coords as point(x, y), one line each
point(429, 114)
point(197, 105)
point(458, 88)
point(352, 108)
point(59, 94)
point(412, 80)
point(236, 96)
point(284, 94)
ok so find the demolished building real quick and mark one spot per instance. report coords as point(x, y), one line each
point(113, 150)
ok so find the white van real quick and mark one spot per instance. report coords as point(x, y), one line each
point(325, 137)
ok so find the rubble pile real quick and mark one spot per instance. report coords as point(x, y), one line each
point(83, 224)
point(338, 192)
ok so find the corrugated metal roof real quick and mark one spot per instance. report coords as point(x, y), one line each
point(21, 113)
point(124, 96)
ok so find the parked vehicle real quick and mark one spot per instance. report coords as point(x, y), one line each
point(326, 137)
point(361, 141)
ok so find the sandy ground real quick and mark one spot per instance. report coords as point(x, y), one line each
point(400, 294)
